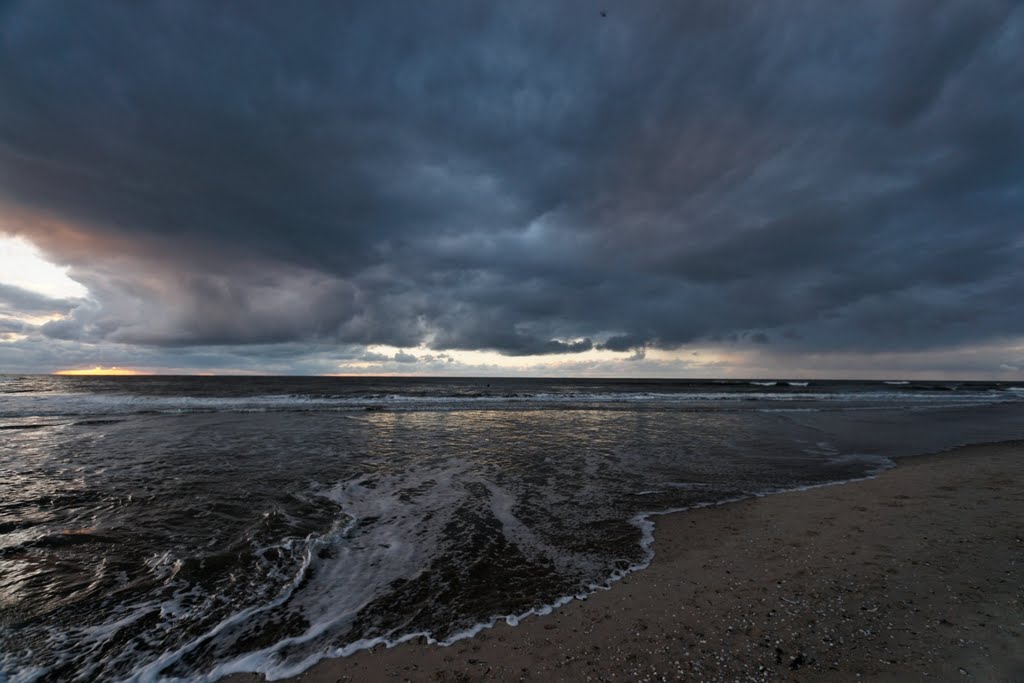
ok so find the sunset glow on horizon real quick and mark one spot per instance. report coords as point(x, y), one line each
point(100, 371)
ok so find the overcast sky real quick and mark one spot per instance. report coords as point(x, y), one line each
point(702, 188)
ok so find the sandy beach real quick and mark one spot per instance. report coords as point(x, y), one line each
point(916, 574)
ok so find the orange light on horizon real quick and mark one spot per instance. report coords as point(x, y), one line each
point(98, 370)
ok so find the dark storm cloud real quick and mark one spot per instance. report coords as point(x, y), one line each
point(532, 178)
point(18, 301)
point(623, 342)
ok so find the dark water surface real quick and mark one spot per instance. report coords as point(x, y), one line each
point(156, 527)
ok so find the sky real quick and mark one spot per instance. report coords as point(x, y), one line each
point(678, 188)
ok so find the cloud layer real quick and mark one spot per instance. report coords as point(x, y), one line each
point(529, 178)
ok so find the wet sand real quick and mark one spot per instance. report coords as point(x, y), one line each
point(915, 575)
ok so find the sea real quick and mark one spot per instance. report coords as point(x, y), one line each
point(184, 528)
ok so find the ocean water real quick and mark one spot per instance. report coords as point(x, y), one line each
point(157, 528)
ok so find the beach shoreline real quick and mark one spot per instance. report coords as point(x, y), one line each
point(914, 574)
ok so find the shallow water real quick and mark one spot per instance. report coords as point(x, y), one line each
point(190, 527)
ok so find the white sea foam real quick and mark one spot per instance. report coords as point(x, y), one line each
point(9, 673)
point(362, 568)
point(265, 663)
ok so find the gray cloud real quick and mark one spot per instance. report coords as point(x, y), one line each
point(530, 178)
point(15, 300)
point(8, 326)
